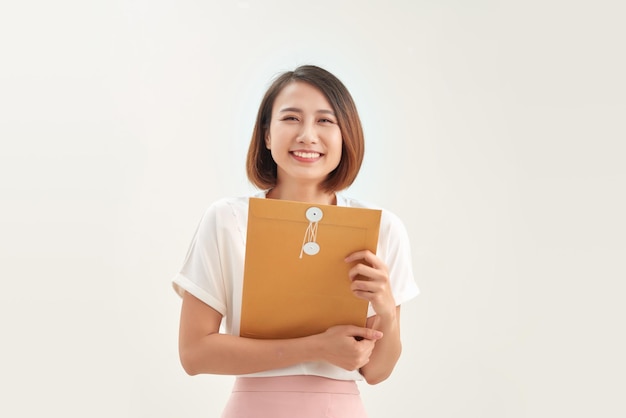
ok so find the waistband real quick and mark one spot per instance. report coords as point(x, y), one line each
point(315, 384)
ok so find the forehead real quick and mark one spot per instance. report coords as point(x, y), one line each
point(302, 95)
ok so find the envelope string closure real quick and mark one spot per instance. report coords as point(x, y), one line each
point(309, 246)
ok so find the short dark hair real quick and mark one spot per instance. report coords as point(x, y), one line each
point(260, 166)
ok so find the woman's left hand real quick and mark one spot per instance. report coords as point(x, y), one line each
point(370, 281)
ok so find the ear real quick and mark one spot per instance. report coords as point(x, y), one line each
point(267, 141)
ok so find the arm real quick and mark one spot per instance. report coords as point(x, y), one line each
point(203, 349)
point(370, 281)
point(386, 351)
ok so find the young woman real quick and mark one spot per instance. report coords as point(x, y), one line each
point(307, 145)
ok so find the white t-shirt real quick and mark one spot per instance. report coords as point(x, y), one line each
point(213, 269)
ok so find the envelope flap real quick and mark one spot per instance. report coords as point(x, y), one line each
point(287, 210)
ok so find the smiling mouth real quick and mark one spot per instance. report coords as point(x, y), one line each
point(306, 155)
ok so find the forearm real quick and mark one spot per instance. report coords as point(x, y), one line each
point(232, 355)
point(387, 350)
point(204, 350)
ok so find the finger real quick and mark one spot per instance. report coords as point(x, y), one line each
point(374, 292)
point(365, 333)
point(363, 286)
point(364, 271)
point(365, 255)
point(367, 295)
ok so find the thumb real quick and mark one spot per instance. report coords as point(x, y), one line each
point(365, 333)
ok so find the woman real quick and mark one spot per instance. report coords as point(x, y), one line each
point(307, 145)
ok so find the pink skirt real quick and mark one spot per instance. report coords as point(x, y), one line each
point(294, 396)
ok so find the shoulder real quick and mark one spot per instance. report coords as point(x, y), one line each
point(226, 213)
point(227, 205)
point(234, 205)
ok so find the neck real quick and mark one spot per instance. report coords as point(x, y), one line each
point(299, 193)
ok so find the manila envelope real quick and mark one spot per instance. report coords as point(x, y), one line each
point(295, 278)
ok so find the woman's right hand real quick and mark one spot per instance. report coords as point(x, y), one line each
point(348, 346)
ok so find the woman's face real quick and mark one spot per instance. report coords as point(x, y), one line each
point(303, 138)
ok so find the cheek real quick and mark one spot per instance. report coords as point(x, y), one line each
point(338, 144)
point(338, 151)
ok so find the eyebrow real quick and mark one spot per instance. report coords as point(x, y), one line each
point(298, 110)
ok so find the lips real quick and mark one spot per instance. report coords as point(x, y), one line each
point(306, 155)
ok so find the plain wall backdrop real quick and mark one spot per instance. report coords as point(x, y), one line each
point(494, 129)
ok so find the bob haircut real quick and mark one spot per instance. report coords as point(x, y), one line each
point(260, 166)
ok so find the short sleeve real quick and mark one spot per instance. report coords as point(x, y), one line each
point(202, 274)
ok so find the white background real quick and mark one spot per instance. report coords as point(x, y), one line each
point(494, 129)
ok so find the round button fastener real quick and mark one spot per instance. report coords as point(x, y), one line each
point(311, 248)
point(314, 214)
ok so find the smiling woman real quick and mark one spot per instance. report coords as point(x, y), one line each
point(336, 110)
point(307, 146)
point(304, 140)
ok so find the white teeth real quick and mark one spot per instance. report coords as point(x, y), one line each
point(306, 154)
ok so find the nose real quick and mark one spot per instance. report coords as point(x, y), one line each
point(307, 134)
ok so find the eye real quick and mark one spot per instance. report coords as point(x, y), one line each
point(325, 120)
point(290, 118)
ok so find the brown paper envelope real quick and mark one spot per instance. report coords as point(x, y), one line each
point(288, 293)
